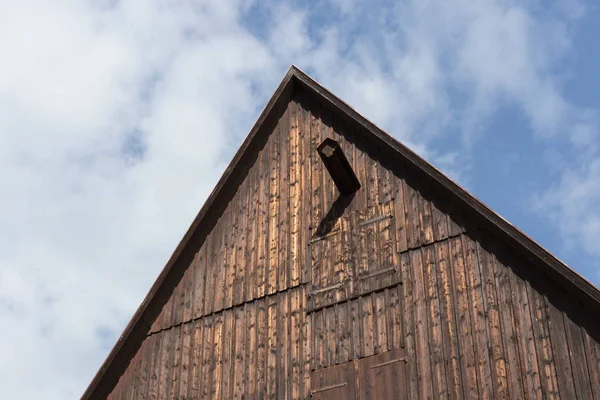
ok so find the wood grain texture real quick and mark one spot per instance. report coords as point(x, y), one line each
point(471, 318)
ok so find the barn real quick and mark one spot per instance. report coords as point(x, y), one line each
point(332, 262)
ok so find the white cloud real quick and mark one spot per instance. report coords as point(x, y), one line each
point(117, 118)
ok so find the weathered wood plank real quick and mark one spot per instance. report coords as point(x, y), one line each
point(400, 214)
point(283, 270)
point(368, 343)
point(199, 278)
point(495, 347)
point(295, 195)
point(524, 332)
point(272, 339)
point(190, 384)
point(296, 344)
point(379, 312)
point(261, 353)
point(581, 377)
point(251, 350)
point(216, 383)
point(543, 344)
point(263, 223)
point(343, 333)
point(421, 327)
point(241, 256)
point(252, 232)
point(409, 322)
point(176, 363)
point(283, 345)
point(228, 356)
point(436, 347)
point(166, 360)
point(274, 192)
point(146, 367)
point(465, 336)
point(509, 335)
point(478, 323)
point(394, 317)
point(239, 352)
point(230, 233)
point(208, 353)
point(307, 332)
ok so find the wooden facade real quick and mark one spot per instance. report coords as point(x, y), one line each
point(399, 290)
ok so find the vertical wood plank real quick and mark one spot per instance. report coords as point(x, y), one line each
point(413, 231)
point(295, 195)
point(592, 349)
point(273, 261)
point(355, 329)
point(543, 345)
point(230, 233)
point(283, 345)
point(228, 356)
point(296, 344)
point(343, 333)
point(261, 353)
point(579, 363)
point(468, 363)
point(241, 257)
point(239, 352)
point(166, 355)
point(379, 311)
point(525, 338)
point(252, 232)
point(188, 278)
point(394, 317)
point(435, 330)
point(208, 354)
point(155, 367)
point(199, 277)
point(193, 390)
point(251, 350)
point(307, 332)
point(409, 322)
point(399, 215)
point(272, 339)
point(478, 323)
point(425, 218)
point(421, 327)
point(215, 270)
point(283, 271)
point(496, 346)
point(509, 335)
point(330, 334)
point(263, 223)
point(216, 383)
point(176, 366)
point(368, 344)
point(146, 367)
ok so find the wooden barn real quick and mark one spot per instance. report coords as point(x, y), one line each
point(332, 262)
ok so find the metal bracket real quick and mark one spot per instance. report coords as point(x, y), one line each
point(338, 385)
point(383, 364)
point(380, 272)
point(319, 238)
point(326, 289)
point(376, 219)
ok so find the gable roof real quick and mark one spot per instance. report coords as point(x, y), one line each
point(294, 81)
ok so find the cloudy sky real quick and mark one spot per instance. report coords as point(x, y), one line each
point(109, 109)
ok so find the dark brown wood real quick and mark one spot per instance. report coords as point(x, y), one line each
point(336, 382)
point(284, 275)
point(382, 376)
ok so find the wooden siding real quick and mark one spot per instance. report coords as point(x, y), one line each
point(409, 272)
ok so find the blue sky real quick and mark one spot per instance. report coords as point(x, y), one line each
point(108, 110)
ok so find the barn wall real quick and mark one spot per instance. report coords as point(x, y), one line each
point(255, 312)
